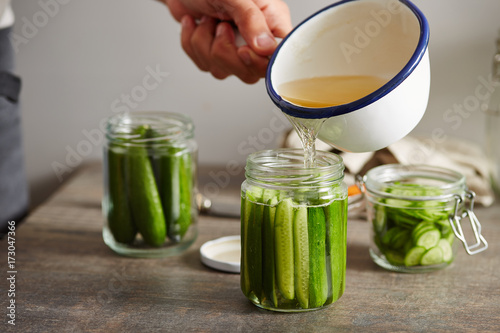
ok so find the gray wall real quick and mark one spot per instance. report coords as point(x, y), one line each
point(79, 59)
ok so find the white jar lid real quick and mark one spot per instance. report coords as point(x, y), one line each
point(222, 254)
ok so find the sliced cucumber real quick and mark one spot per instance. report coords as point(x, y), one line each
point(432, 256)
point(336, 229)
point(246, 218)
point(268, 270)
point(421, 227)
point(283, 228)
point(301, 256)
point(318, 280)
point(388, 237)
point(254, 242)
point(400, 239)
point(414, 255)
point(447, 250)
point(395, 257)
point(428, 238)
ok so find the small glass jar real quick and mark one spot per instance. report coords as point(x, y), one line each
point(293, 230)
point(492, 112)
point(149, 184)
point(415, 212)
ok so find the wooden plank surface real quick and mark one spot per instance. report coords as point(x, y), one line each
point(68, 281)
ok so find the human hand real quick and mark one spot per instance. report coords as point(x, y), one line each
point(208, 37)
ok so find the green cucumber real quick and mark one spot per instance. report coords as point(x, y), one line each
point(420, 228)
point(336, 231)
point(380, 219)
point(175, 178)
point(301, 256)
point(246, 218)
point(395, 257)
point(428, 238)
point(447, 250)
point(255, 249)
point(145, 202)
point(414, 255)
point(388, 237)
point(432, 256)
point(252, 234)
point(400, 239)
point(283, 228)
point(119, 217)
point(268, 271)
point(318, 280)
point(186, 194)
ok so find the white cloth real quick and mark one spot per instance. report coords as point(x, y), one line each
point(6, 14)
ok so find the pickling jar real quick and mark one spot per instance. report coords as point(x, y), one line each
point(293, 230)
point(149, 184)
point(416, 214)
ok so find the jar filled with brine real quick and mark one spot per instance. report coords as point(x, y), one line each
point(416, 213)
point(293, 230)
point(149, 184)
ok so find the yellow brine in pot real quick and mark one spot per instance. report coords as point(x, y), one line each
point(325, 91)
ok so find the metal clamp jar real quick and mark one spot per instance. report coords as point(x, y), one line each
point(293, 230)
point(416, 213)
point(149, 184)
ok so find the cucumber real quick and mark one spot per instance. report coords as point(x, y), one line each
point(318, 280)
point(246, 217)
point(432, 256)
point(175, 179)
point(447, 250)
point(428, 238)
point(336, 231)
point(389, 236)
point(252, 236)
point(301, 256)
point(414, 255)
point(420, 228)
point(395, 257)
point(119, 217)
point(255, 248)
point(400, 239)
point(186, 196)
point(380, 219)
point(283, 246)
point(145, 202)
point(268, 270)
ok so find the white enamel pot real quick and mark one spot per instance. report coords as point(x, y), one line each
point(384, 38)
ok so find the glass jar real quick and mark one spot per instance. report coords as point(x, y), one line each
point(149, 184)
point(293, 230)
point(492, 109)
point(415, 212)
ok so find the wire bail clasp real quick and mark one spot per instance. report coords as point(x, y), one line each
point(454, 220)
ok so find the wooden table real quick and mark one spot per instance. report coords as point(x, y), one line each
point(68, 280)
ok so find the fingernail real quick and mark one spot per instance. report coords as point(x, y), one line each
point(265, 41)
point(220, 30)
point(246, 58)
point(185, 21)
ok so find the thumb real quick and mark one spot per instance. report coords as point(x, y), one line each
point(252, 25)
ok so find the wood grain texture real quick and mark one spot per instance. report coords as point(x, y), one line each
point(69, 281)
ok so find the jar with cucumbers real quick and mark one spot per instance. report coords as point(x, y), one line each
point(149, 184)
point(293, 230)
point(416, 213)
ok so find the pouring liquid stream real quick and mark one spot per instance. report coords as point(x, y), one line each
point(324, 91)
